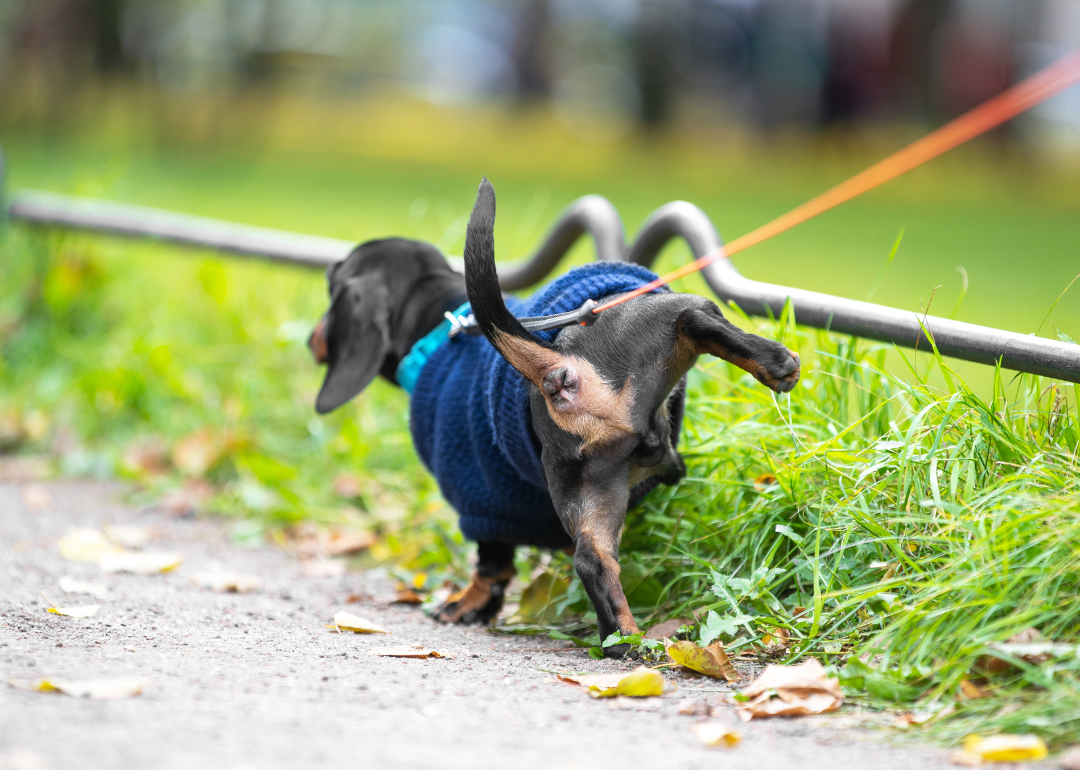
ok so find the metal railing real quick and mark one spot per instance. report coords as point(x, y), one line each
point(595, 216)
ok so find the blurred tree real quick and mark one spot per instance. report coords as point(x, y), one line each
point(912, 65)
point(654, 67)
point(108, 18)
point(530, 53)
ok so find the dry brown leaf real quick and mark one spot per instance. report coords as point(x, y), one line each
point(148, 457)
point(36, 498)
point(407, 596)
point(73, 586)
point(85, 611)
point(127, 535)
point(346, 621)
point(348, 486)
point(667, 629)
point(414, 651)
point(225, 582)
point(790, 691)
point(141, 563)
point(999, 748)
point(764, 481)
point(342, 543)
point(323, 568)
point(85, 544)
point(694, 708)
point(711, 661)
point(25, 468)
point(95, 689)
point(716, 734)
point(197, 453)
point(1070, 759)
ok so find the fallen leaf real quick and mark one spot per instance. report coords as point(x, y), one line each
point(95, 689)
point(75, 612)
point(321, 568)
point(148, 457)
point(197, 453)
point(36, 498)
point(189, 499)
point(716, 734)
point(694, 708)
point(667, 629)
point(341, 543)
point(764, 481)
point(711, 660)
point(225, 582)
point(539, 599)
point(790, 691)
point(971, 691)
point(73, 586)
point(416, 651)
point(346, 621)
point(642, 682)
point(25, 468)
point(131, 648)
point(127, 535)
point(407, 596)
point(84, 544)
point(348, 486)
point(1070, 760)
point(141, 563)
point(1000, 748)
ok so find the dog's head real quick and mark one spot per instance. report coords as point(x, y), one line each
point(376, 299)
point(602, 397)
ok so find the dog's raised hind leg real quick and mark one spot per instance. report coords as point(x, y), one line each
point(482, 599)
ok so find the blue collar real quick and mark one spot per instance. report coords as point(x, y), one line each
point(408, 371)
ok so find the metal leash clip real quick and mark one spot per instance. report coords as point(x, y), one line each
point(460, 324)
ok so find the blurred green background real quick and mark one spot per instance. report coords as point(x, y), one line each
point(367, 119)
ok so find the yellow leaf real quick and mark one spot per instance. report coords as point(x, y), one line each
point(640, 683)
point(1006, 748)
point(75, 612)
point(716, 734)
point(197, 453)
point(346, 621)
point(142, 563)
point(711, 660)
point(95, 689)
point(84, 544)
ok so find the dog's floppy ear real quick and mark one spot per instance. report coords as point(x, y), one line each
point(357, 333)
point(705, 330)
point(525, 352)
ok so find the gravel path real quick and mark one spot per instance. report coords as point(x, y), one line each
point(256, 681)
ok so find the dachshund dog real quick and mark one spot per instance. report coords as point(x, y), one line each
point(542, 439)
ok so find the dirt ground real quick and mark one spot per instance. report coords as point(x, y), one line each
point(256, 681)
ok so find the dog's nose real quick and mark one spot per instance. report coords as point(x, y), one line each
point(317, 342)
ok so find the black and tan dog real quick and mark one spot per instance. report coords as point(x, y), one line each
point(604, 401)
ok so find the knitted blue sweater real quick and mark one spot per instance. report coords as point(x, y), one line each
point(471, 423)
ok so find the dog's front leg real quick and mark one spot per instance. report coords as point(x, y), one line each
point(596, 518)
point(481, 601)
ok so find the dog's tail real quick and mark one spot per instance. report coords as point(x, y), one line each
point(482, 280)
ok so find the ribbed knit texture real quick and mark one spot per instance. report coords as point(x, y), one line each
point(472, 427)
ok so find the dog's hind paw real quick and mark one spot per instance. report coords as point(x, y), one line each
point(480, 602)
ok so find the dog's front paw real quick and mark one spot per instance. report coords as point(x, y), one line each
point(480, 602)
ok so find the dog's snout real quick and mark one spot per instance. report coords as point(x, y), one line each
point(317, 342)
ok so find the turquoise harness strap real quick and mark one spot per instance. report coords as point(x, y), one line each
point(408, 370)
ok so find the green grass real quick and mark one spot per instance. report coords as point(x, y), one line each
point(912, 518)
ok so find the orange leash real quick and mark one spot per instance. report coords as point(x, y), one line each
point(1008, 104)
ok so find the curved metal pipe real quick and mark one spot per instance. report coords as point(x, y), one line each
point(591, 214)
point(969, 342)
